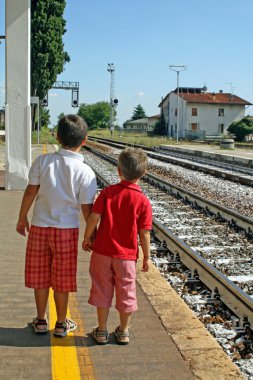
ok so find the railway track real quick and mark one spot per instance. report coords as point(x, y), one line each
point(198, 253)
point(234, 196)
point(232, 172)
point(195, 238)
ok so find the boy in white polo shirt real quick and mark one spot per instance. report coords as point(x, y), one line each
point(60, 183)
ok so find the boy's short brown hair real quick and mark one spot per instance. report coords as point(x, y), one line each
point(72, 130)
point(133, 163)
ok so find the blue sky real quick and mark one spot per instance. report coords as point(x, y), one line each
point(142, 38)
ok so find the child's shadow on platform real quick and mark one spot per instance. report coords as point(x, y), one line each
point(25, 337)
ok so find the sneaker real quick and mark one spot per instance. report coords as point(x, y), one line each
point(39, 325)
point(67, 326)
point(101, 337)
point(121, 336)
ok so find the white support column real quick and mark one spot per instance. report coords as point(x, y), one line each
point(18, 110)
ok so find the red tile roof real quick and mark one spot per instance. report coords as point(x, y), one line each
point(210, 98)
point(214, 98)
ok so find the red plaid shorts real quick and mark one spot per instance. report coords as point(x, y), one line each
point(51, 258)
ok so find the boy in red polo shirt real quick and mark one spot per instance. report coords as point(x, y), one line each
point(124, 213)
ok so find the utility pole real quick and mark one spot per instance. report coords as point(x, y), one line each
point(177, 68)
point(113, 100)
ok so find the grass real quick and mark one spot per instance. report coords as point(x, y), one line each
point(45, 137)
point(133, 138)
point(119, 135)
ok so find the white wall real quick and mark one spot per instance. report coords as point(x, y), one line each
point(208, 116)
point(169, 106)
point(17, 110)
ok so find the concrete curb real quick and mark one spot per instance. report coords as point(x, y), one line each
point(206, 358)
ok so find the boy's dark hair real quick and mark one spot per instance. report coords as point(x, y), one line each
point(72, 130)
point(133, 163)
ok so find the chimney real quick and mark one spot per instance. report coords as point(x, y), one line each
point(221, 91)
point(213, 95)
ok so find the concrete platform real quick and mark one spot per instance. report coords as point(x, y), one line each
point(237, 156)
point(167, 340)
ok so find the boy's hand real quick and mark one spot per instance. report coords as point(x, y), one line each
point(87, 244)
point(145, 264)
point(22, 226)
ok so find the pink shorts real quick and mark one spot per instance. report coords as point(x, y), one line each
point(108, 273)
point(51, 258)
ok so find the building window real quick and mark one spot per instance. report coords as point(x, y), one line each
point(221, 128)
point(221, 111)
point(175, 111)
point(194, 112)
point(194, 126)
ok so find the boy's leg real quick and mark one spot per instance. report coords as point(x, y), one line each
point(126, 303)
point(63, 324)
point(63, 275)
point(124, 321)
point(101, 293)
point(61, 303)
point(41, 299)
point(102, 314)
point(100, 333)
point(122, 332)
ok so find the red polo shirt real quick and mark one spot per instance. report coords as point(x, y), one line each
point(124, 210)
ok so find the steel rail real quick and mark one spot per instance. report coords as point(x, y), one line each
point(232, 296)
point(240, 303)
point(231, 216)
point(234, 218)
point(214, 170)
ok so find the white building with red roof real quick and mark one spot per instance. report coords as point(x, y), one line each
point(199, 113)
point(144, 125)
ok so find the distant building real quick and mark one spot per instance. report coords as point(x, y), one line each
point(201, 113)
point(144, 125)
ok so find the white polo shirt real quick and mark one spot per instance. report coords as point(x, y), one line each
point(65, 182)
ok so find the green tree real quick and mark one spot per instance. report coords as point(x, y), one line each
point(47, 49)
point(44, 117)
point(138, 113)
point(60, 116)
point(96, 115)
point(160, 127)
point(241, 128)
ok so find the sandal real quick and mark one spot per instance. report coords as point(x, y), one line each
point(67, 326)
point(101, 337)
point(121, 336)
point(39, 322)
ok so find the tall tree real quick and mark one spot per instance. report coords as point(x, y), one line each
point(44, 117)
point(138, 113)
point(96, 115)
point(47, 49)
point(160, 127)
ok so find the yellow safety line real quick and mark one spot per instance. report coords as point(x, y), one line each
point(65, 364)
point(85, 362)
point(44, 149)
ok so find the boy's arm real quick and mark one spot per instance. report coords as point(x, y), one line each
point(145, 246)
point(86, 210)
point(28, 198)
point(90, 229)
